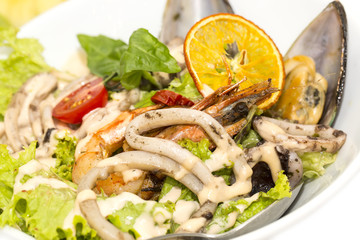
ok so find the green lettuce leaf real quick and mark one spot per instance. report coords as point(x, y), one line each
point(9, 168)
point(41, 213)
point(279, 191)
point(186, 194)
point(251, 139)
point(23, 60)
point(125, 218)
point(199, 149)
point(246, 209)
point(186, 87)
point(65, 157)
point(314, 163)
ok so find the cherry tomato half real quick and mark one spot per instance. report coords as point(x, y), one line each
point(73, 107)
point(171, 98)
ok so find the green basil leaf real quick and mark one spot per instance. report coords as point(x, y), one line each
point(103, 53)
point(131, 79)
point(146, 52)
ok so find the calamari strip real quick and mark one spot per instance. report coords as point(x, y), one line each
point(300, 137)
point(22, 119)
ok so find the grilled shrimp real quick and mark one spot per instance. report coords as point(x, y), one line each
point(103, 142)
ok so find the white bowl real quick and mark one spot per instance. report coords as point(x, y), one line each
point(326, 206)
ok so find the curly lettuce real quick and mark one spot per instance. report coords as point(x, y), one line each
point(65, 156)
point(244, 209)
point(314, 163)
point(157, 215)
point(23, 58)
point(33, 210)
point(9, 168)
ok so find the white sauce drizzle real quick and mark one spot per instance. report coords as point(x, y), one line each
point(184, 210)
point(193, 224)
point(217, 225)
point(146, 227)
point(172, 196)
point(109, 205)
point(34, 182)
point(131, 175)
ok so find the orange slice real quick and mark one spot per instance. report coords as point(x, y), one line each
point(225, 48)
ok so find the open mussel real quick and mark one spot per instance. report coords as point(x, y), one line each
point(324, 41)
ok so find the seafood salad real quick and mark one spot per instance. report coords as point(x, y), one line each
point(192, 135)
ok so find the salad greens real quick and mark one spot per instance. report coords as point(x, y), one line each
point(9, 168)
point(159, 213)
point(314, 163)
point(65, 156)
point(246, 209)
point(131, 62)
point(31, 211)
point(22, 59)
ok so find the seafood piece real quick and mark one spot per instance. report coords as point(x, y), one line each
point(102, 143)
point(180, 16)
point(106, 140)
point(300, 137)
point(303, 97)
point(325, 41)
point(22, 119)
point(230, 110)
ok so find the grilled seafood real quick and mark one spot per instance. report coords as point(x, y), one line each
point(102, 143)
point(304, 93)
point(106, 140)
point(300, 137)
point(23, 121)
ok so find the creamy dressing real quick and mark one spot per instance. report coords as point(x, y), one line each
point(219, 191)
point(217, 225)
point(190, 162)
point(30, 168)
point(131, 175)
point(181, 173)
point(184, 210)
point(267, 153)
point(82, 196)
point(110, 205)
point(193, 224)
point(172, 196)
point(27, 169)
point(34, 182)
point(146, 227)
point(161, 215)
